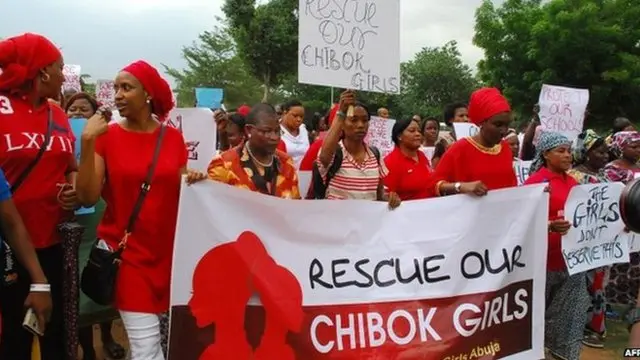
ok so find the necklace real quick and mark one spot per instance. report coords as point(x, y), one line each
point(256, 160)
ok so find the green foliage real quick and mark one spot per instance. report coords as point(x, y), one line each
point(576, 43)
point(267, 38)
point(213, 62)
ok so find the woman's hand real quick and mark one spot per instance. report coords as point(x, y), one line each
point(221, 120)
point(347, 99)
point(41, 304)
point(477, 188)
point(97, 124)
point(394, 200)
point(67, 197)
point(194, 176)
point(560, 226)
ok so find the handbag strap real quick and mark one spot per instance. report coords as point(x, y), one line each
point(145, 187)
point(47, 138)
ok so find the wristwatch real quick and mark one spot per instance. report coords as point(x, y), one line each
point(633, 317)
point(457, 187)
point(341, 114)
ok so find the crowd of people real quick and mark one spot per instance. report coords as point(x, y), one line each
point(262, 149)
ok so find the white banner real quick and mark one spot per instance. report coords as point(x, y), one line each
point(562, 109)
point(357, 278)
point(596, 237)
point(521, 168)
point(199, 130)
point(350, 44)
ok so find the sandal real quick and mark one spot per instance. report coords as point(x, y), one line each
point(113, 350)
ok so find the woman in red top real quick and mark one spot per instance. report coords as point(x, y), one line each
point(567, 298)
point(407, 166)
point(483, 162)
point(30, 73)
point(114, 161)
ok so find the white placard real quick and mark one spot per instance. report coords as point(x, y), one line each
point(634, 242)
point(521, 168)
point(71, 78)
point(596, 237)
point(465, 129)
point(379, 134)
point(199, 130)
point(105, 93)
point(562, 109)
point(350, 44)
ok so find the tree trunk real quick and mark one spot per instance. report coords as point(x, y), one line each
point(267, 89)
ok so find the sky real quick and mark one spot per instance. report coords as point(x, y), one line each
point(105, 35)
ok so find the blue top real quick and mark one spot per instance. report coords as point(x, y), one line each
point(5, 189)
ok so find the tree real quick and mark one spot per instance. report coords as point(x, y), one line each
point(214, 62)
point(86, 86)
point(578, 43)
point(266, 37)
point(434, 78)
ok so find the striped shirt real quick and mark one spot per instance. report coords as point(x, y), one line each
point(355, 181)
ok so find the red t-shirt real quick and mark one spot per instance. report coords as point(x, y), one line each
point(559, 189)
point(145, 273)
point(464, 161)
point(311, 155)
point(282, 146)
point(23, 130)
point(407, 177)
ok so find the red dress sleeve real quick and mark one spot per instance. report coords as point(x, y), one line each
point(282, 146)
point(447, 169)
point(311, 156)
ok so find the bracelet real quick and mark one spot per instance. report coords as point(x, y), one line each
point(41, 288)
point(341, 114)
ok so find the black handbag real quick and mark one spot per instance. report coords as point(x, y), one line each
point(8, 261)
point(99, 276)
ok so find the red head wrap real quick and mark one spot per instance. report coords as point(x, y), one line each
point(21, 57)
point(485, 103)
point(332, 113)
point(244, 110)
point(157, 87)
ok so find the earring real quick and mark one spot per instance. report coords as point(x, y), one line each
point(45, 77)
point(148, 101)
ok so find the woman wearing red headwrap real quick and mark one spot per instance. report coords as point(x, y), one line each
point(483, 162)
point(30, 73)
point(124, 151)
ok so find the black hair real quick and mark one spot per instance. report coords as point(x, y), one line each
point(78, 96)
point(359, 104)
point(252, 117)
point(399, 127)
point(426, 120)
point(238, 120)
point(450, 111)
point(289, 104)
point(620, 123)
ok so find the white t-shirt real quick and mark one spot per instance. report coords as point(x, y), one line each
point(297, 146)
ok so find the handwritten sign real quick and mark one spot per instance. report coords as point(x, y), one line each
point(350, 44)
point(463, 130)
point(379, 134)
point(77, 125)
point(521, 168)
point(199, 131)
point(71, 78)
point(562, 109)
point(596, 237)
point(105, 93)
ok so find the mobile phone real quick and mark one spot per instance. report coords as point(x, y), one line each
point(30, 323)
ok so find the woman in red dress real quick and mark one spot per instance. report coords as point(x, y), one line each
point(407, 166)
point(483, 162)
point(30, 73)
point(114, 162)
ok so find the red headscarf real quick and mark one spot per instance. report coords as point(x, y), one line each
point(21, 57)
point(244, 110)
point(157, 87)
point(332, 113)
point(485, 103)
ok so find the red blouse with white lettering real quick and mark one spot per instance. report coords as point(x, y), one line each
point(23, 129)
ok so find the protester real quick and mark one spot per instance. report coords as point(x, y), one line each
point(620, 124)
point(383, 113)
point(359, 171)
point(30, 73)
point(483, 162)
point(567, 299)
point(514, 144)
point(294, 132)
point(431, 138)
point(407, 166)
point(144, 100)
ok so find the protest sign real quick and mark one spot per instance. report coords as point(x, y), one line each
point(77, 125)
point(209, 98)
point(71, 78)
point(105, 93)
point(562, 109)
point(350, 44)
point(199, 131)
point(521, 168)
point(359, 278)
point(596, 236)
point(379, 134)
point(304, 181)
point(634, 242)
point(463, 130)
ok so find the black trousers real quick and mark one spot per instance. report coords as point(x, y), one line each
point(15, 342)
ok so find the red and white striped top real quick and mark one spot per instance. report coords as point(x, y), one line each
point(355, 181)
